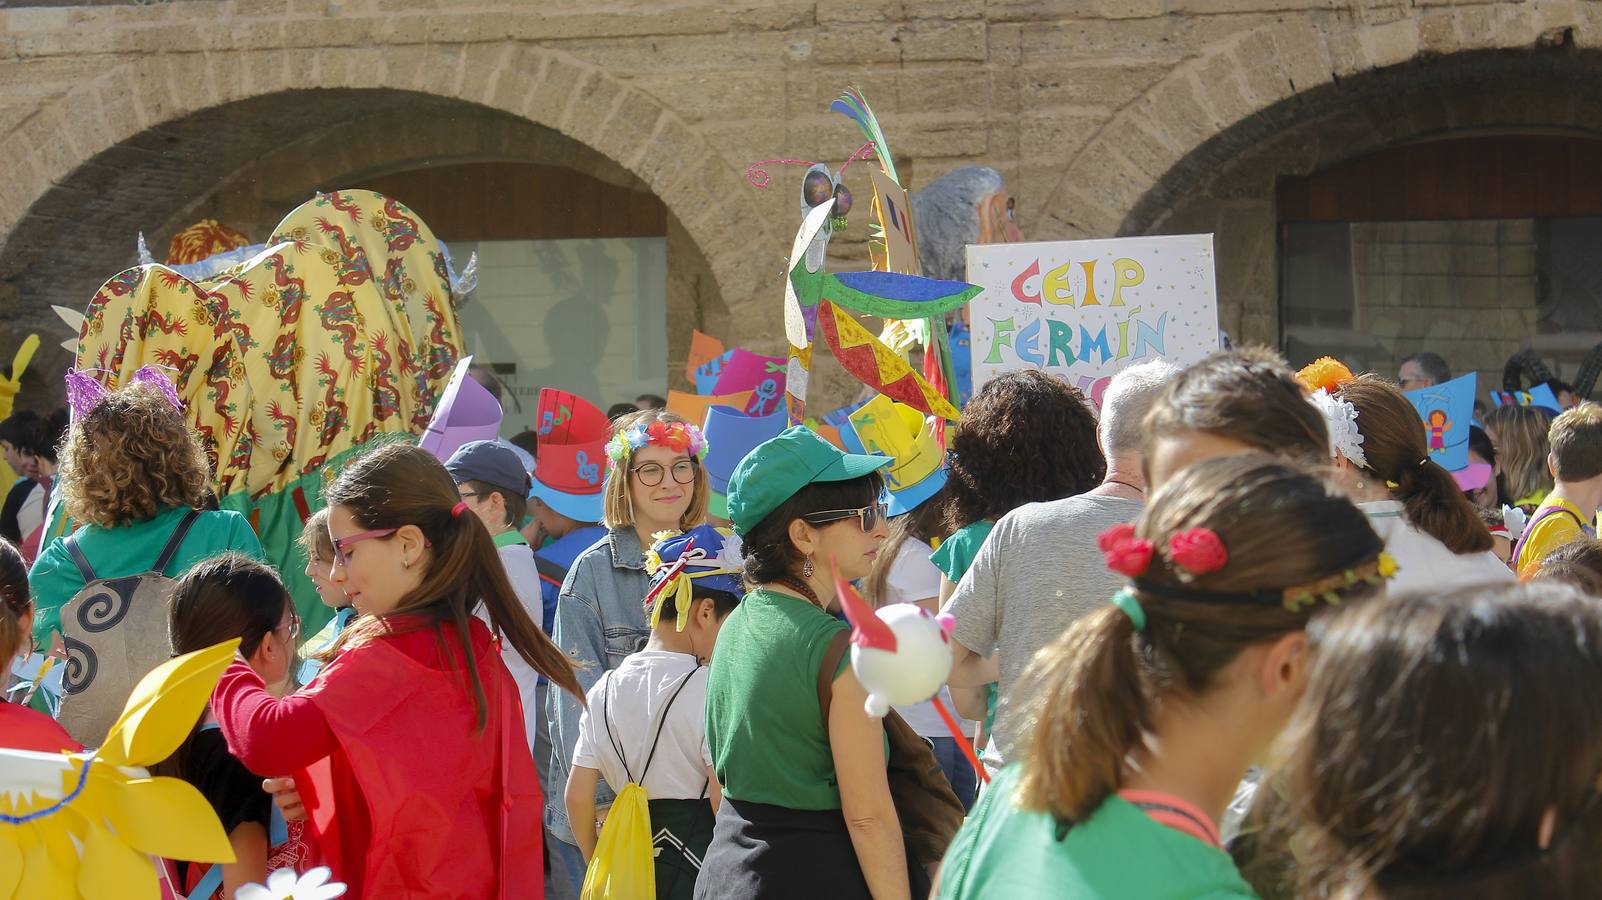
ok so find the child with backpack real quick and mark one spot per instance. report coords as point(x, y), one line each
point(231, 596)
point(645, 730)
point(1569, 511)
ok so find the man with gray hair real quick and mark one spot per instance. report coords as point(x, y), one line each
point(1040, 568)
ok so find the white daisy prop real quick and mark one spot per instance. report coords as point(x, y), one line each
point(1340, 417)
point(283, 885)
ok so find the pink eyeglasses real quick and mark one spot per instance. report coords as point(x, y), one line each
point(342, 557)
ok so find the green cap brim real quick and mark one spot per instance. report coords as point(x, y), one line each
point(852, 465)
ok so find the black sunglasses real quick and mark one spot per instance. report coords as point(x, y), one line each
point(870, 516)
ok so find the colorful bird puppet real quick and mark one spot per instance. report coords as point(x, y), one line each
point(342, 329)
point(88, 824)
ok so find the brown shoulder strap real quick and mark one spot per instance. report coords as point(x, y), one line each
point(831, 663)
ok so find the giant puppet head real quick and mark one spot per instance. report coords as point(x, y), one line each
point(970, 205)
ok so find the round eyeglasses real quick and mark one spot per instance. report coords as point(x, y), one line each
point(651, 474)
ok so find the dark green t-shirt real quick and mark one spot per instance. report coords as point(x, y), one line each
point(763, 724)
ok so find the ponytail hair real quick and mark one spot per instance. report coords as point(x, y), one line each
point(1293, 544)
point(399, 484)
point(15, 604)
point(1394, 446)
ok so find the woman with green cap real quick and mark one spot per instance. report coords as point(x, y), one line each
point(807, 809)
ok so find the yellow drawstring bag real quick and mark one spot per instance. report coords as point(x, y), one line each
point(624, 865)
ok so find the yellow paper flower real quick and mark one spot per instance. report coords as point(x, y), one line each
point(1387, 565)
point(1325, 373)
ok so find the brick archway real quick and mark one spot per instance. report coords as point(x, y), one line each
point(60, 165)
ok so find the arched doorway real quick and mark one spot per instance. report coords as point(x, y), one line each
point(247, 147)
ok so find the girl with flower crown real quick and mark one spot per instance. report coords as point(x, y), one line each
point(654, 483)
point(1141, 719)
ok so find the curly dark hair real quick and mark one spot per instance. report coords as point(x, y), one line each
point(129, 458)
point(767, 549)
point(1024, 438)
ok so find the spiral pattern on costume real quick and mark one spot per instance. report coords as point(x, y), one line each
point(81, 667)
point(105, 609)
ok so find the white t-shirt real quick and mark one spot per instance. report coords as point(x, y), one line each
point(518, 561)
point(632, 697)
point(1424, 563)
point(912, 578)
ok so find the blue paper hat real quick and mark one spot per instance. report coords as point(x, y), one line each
point(1447, 410)
point(702, 557)
point(1541, 395)
point(730, 435)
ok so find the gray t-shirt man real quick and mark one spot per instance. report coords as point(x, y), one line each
point(1037, 573)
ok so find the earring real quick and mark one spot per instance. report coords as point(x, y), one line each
point(406, 564)
point(806, 568)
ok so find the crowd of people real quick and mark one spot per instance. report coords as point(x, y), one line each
point(1230, 634)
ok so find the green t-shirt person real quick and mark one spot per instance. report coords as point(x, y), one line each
point(1121, 851)
point(131, 550)
point(957, 552)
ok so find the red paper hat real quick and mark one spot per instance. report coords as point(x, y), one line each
point(570, 461)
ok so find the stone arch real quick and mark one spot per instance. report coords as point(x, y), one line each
point(1254, 81)
point(146, 110)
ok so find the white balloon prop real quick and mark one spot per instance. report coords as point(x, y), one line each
point(913, 670)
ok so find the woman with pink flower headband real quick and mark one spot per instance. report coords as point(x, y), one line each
point(654, 483)
point(1142, 718)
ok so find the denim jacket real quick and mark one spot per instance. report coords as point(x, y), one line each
point(599, 620)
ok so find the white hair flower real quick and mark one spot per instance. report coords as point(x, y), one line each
point(1340, 417)
point(283, 885)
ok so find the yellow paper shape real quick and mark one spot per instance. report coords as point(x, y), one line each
point(110, 870)
point(165, 706)
point(165, 817)
point(10, 868)
point(901, 433)
point(50, 862)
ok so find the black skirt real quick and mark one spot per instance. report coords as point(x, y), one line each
point(767, 851)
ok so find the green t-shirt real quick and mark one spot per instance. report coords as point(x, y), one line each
point(763, 724)
point(130, 550)
point(1003, 851)
point(957, 552)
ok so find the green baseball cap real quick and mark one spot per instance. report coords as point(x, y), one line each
point(776, 469)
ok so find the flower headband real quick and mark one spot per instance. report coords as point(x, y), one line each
point(85, 391)
point(1200, 551)
point(1340, 418)
point(680, 437)
point(723, 570)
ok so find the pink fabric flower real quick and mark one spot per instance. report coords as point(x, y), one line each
point(1125, 553)
point(1198, 551)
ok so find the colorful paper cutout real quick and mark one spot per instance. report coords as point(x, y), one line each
point(763, 376)
point(876, 365)
point(703, 349)
point(693, 407)
point(1446, 410)
point(885, 428)
point(570, 465)
point(899, 238)
point(1539, 396)
point(706, 375)
point(467, 411)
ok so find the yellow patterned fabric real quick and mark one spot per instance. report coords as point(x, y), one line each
point(342, 329)
point(204, 239)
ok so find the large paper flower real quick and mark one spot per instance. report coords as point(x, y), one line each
point(283, 885)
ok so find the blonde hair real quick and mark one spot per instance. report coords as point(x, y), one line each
point(1519, 434)
point(617, 510)
point(1576, 441)
point(314, 540)
point(129, 458)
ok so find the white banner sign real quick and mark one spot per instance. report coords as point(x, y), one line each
point(1082, 310)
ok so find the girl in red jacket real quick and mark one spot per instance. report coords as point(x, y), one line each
point(408, 750)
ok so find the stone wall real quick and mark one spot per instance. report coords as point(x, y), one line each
point(1106, 116)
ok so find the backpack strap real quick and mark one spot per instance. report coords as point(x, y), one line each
point(661, 721)
point(78, 559)
point(1549, 512)
point(175, 541)
point(838, 645)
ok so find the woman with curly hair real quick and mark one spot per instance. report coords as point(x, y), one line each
point(131, 473)
point(1026, 437)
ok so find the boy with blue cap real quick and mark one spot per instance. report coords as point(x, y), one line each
point(645, 722)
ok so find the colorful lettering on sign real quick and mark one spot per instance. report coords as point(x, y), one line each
point(1057, 290)
point(1094, 346)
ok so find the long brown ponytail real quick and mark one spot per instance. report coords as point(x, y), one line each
point(1394, 446)
point(398, 485)
point(1089, 695)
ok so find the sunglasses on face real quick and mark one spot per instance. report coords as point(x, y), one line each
point(342, 556)
point(651, 474)
point(868, 516)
